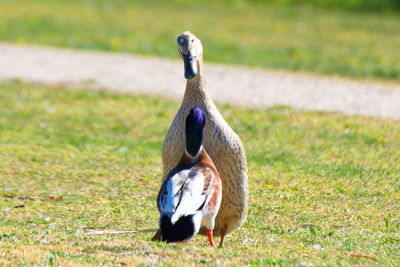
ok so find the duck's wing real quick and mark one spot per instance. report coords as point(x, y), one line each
point(186, 192)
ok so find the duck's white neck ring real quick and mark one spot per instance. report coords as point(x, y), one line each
point(196, 156)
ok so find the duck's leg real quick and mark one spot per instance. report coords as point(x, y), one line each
point(223, 233)
point(210, 237)
point(157, 236)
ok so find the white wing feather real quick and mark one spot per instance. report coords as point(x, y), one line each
point(184, 194)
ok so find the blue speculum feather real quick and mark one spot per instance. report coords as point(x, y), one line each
point(195, 122)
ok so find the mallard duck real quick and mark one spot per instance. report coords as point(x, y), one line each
point(220, 141)
point(191, 194)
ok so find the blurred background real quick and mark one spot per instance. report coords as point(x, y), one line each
point(351, 38)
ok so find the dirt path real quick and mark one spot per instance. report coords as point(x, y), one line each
point(234, 85)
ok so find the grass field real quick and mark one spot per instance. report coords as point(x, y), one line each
point(296, 38)
point(324, 187)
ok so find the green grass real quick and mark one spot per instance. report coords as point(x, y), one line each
point(353, 5)
point(324, 187)
point(295, 38)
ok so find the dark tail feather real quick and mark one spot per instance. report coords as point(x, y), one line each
point(183, 229)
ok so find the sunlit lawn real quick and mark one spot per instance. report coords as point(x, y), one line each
point(363, 45)
point(324, 187)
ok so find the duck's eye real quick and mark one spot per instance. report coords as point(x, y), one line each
point(192, 40)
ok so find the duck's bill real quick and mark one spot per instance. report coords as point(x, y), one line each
point(190, 66)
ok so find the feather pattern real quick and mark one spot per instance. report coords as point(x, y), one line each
point(190, 196)
point(186, 193)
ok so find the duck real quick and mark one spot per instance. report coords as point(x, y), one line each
point(221, 143)
point(191, 194)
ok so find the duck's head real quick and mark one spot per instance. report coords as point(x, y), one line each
point(195, 122)
point(191, 51)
